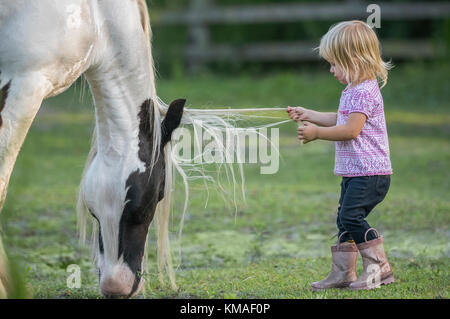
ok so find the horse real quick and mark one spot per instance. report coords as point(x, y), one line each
point(45, 46)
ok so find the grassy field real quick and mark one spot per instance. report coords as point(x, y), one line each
point(279, 241)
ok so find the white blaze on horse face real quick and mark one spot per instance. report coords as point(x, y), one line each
point(105, 193)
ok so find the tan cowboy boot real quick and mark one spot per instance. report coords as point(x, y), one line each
point(376, 268)
point(343, 268)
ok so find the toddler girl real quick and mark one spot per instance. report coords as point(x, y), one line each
point(362, 152)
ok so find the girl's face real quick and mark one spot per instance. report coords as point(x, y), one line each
point(337, 72)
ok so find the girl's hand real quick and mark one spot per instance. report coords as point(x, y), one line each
point(308, 133)
point(299, 113)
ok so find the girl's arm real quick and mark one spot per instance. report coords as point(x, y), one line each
point(319, 118)
point(345, 132)
point(326, 119)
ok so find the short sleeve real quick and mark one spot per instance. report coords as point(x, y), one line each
point(361, 101)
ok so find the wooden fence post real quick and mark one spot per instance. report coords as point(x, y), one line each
point(198, 34)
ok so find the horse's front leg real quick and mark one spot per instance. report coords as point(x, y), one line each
point(20, 100)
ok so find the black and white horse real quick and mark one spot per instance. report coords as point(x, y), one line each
point(45, 46)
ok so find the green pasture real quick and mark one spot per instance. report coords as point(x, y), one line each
point(278, 242)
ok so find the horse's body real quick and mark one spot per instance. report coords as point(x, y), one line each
point(44, 47)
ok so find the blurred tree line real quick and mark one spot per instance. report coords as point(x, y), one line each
point(170, 42)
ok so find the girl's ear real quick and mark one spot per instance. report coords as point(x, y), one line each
point(172, 120)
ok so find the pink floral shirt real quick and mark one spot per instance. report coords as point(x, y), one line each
point(368, 153)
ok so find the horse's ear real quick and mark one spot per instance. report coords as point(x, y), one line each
point(172, 120)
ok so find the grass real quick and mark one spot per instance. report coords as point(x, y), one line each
point(276, 244)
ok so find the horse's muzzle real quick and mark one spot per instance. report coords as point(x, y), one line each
point(119, 282)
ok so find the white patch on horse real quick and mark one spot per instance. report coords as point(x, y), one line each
point(74, 18)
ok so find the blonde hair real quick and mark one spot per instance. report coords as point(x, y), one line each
point(355, 48)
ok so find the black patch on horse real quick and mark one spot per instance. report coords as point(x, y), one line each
point(4, 91)
point(100, 240)
point(144, 191)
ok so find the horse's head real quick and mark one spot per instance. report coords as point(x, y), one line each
point(123, 234)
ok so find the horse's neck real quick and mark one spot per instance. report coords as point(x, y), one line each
point(121, 81)
point(118, 98)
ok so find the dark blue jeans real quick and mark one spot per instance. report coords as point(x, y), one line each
point(359, 195)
